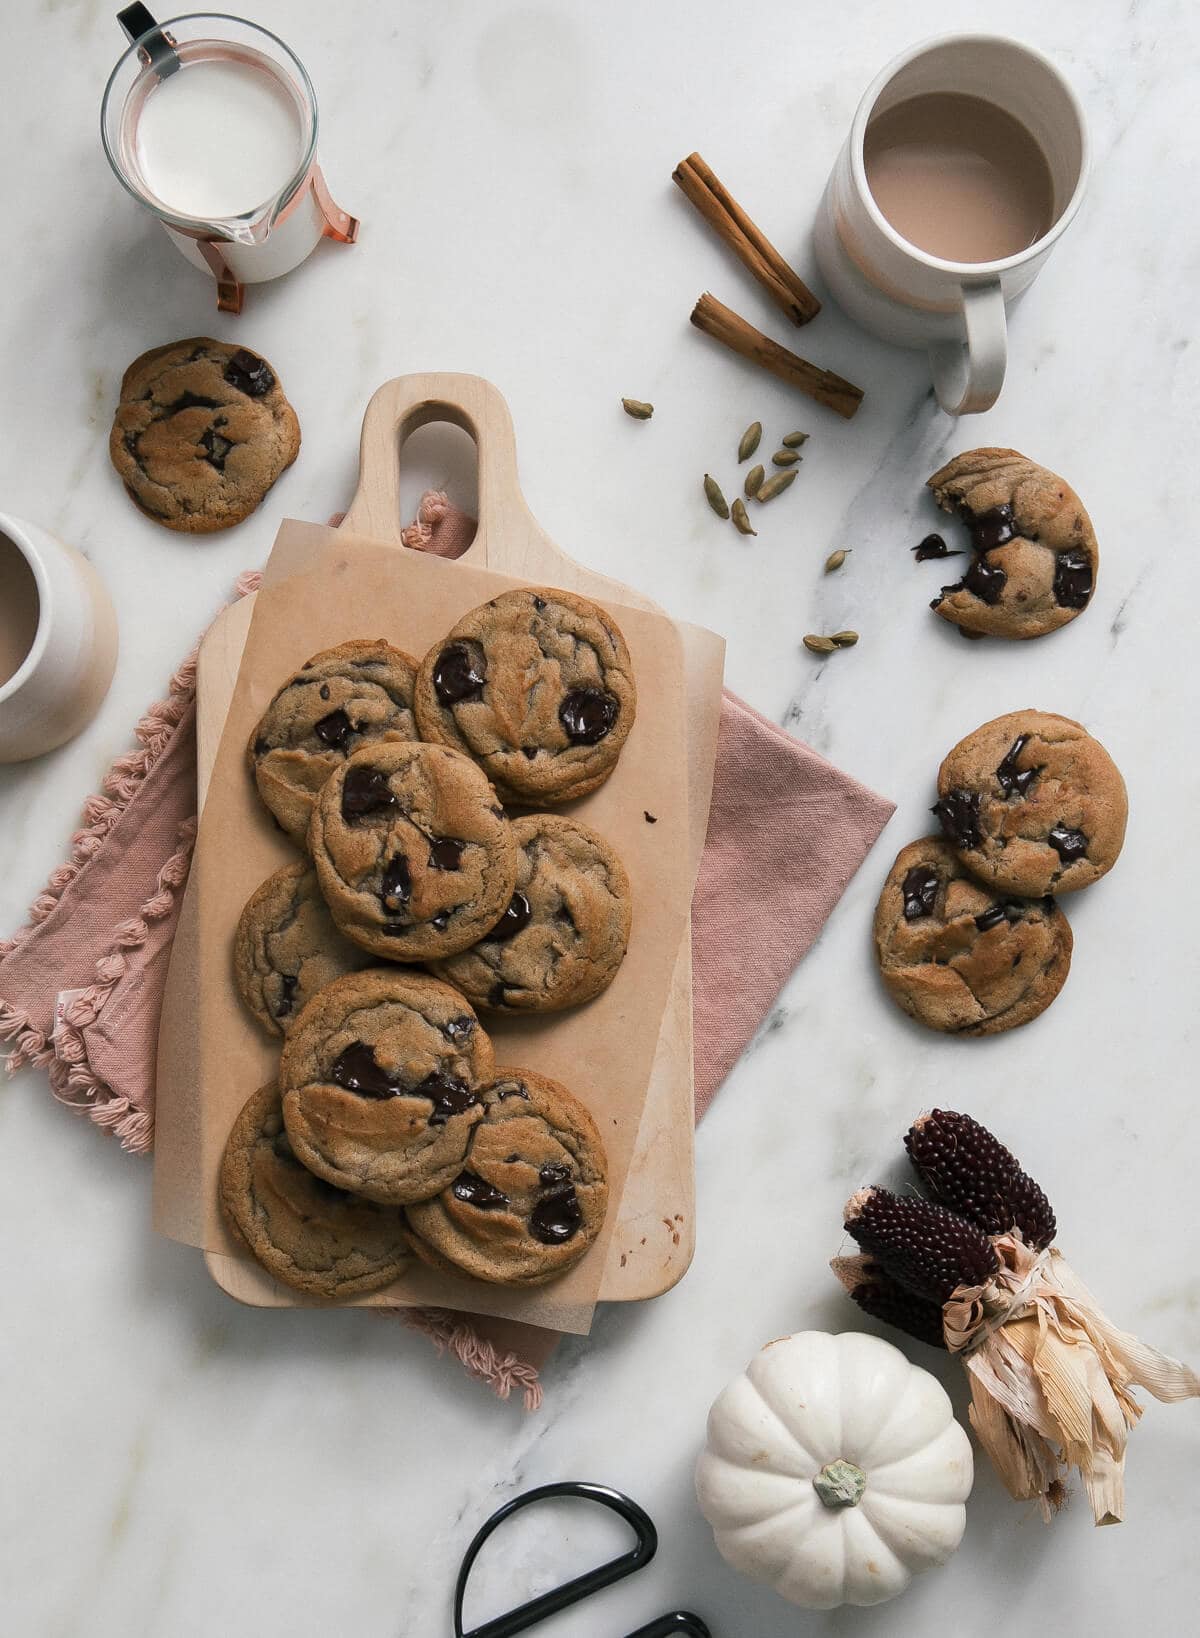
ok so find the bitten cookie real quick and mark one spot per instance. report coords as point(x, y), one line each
point(380, 1078)
point(956, 957)
point(1032, 804)
point(356, 694)
point(287, 948)
point(306, 1233)
point(564, 933)
point(532, 1192)
point(1035, 554)
point(537, 686)
point(414, 856)
point(201, 433)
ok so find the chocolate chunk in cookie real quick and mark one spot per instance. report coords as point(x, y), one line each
point(566, 927)
point(359, 693)
point(537, 686)
point(305, 1232)
point(1033, 804)
point(531, 1194)
point(957, 958)
point(287, 948)
point(201, 433)
point(414, 858)
point(381, 1077)
point(1035, 554)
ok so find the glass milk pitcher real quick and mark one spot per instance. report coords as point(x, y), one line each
point(210, 122)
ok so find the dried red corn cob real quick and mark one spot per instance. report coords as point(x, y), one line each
point(927, 1248)
point(964, 1167)
point(881, 1297)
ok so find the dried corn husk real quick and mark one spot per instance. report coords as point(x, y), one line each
point(1050, 1376)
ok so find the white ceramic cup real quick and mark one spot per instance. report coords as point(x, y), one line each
point(60, 684)
point(903, 294)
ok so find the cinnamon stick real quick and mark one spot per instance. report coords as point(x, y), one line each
point(723, 213)
point(727, 327)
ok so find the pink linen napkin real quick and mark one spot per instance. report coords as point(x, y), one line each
point(81, 985)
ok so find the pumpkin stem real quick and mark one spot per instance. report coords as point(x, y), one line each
point(840, 1484)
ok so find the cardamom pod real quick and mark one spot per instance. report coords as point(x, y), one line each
point(635, 407)
point(836, 559)
point(795, 439)
point(715, 498)
point(844, 639)
point(740, 519)
point(749, 440)
point(820, 645)
point(775, 485)
point(753, 481)
point(785, 457)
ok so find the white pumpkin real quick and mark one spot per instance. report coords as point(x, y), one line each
point(834, 1470)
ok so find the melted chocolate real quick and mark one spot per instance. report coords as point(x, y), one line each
point(364, 791)
point(287, 984)
point(324, 691)
point(554, 1171)
point(588, 714)
point(249, 373)
point(396, 886)
point(650, 818)
point(539, 603)
point(529, 752)
point(932, 546)
point(333, 730)
point(958, 815)
point(986, 580)
point(556, 1217)
point(457, 676)
point(920, 889)
point(216, 447)
point(446, 853)
point(1011, 780)
point(474, 1190)
point(459, 1030)
point(518, 915)
point(1009, 910)
point(447, 1093)
point(440, 922)
point(1067, 843)
point(995, 527)
point(357, 1070)
point(1072, 580)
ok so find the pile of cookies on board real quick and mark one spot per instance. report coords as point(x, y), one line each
point(420, 904)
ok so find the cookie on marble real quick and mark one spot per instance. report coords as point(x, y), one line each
point(359, 693)
point(306, 1233)
point(201, 433)
point(566, 928)
point(286, 947)
point(956, 957)
point(381, 1077)
point(1035, 558)
point(537, 686)
point(414, 855)
point(1032, 804)
point(532, 1191)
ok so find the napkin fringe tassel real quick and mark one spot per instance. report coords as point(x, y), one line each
point(501, 1371)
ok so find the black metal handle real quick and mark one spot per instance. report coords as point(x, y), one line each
point(582, 1586)
point(154, 44)
point(681, 1621)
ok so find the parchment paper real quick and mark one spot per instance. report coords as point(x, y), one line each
point(603, 1051)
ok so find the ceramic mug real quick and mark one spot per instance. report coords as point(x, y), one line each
point(52, 598)
point(902, 293)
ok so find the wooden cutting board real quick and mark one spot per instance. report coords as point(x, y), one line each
point(654, 1235)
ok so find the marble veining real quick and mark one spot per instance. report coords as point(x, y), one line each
point(176, 1466)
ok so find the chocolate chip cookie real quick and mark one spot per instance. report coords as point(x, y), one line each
point(564, 933)
point(1035, 556)
point(381, 1078)
point(414, 855)
point(1032, 804)
point(201, 433)
point(287, 948)
point(956, 957)
point(346, 697)
point(537, 686)
point(306, 1233)
point(532, 1191)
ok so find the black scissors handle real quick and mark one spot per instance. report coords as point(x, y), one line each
point(681, 1621)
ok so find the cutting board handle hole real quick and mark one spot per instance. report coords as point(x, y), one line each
point(439, 455)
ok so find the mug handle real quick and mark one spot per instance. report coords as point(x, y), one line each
point(967, 379)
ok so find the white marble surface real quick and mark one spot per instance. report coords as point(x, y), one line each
point(177, 1466)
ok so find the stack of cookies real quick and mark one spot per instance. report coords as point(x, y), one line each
point(391, 1131)
point(970, 937)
